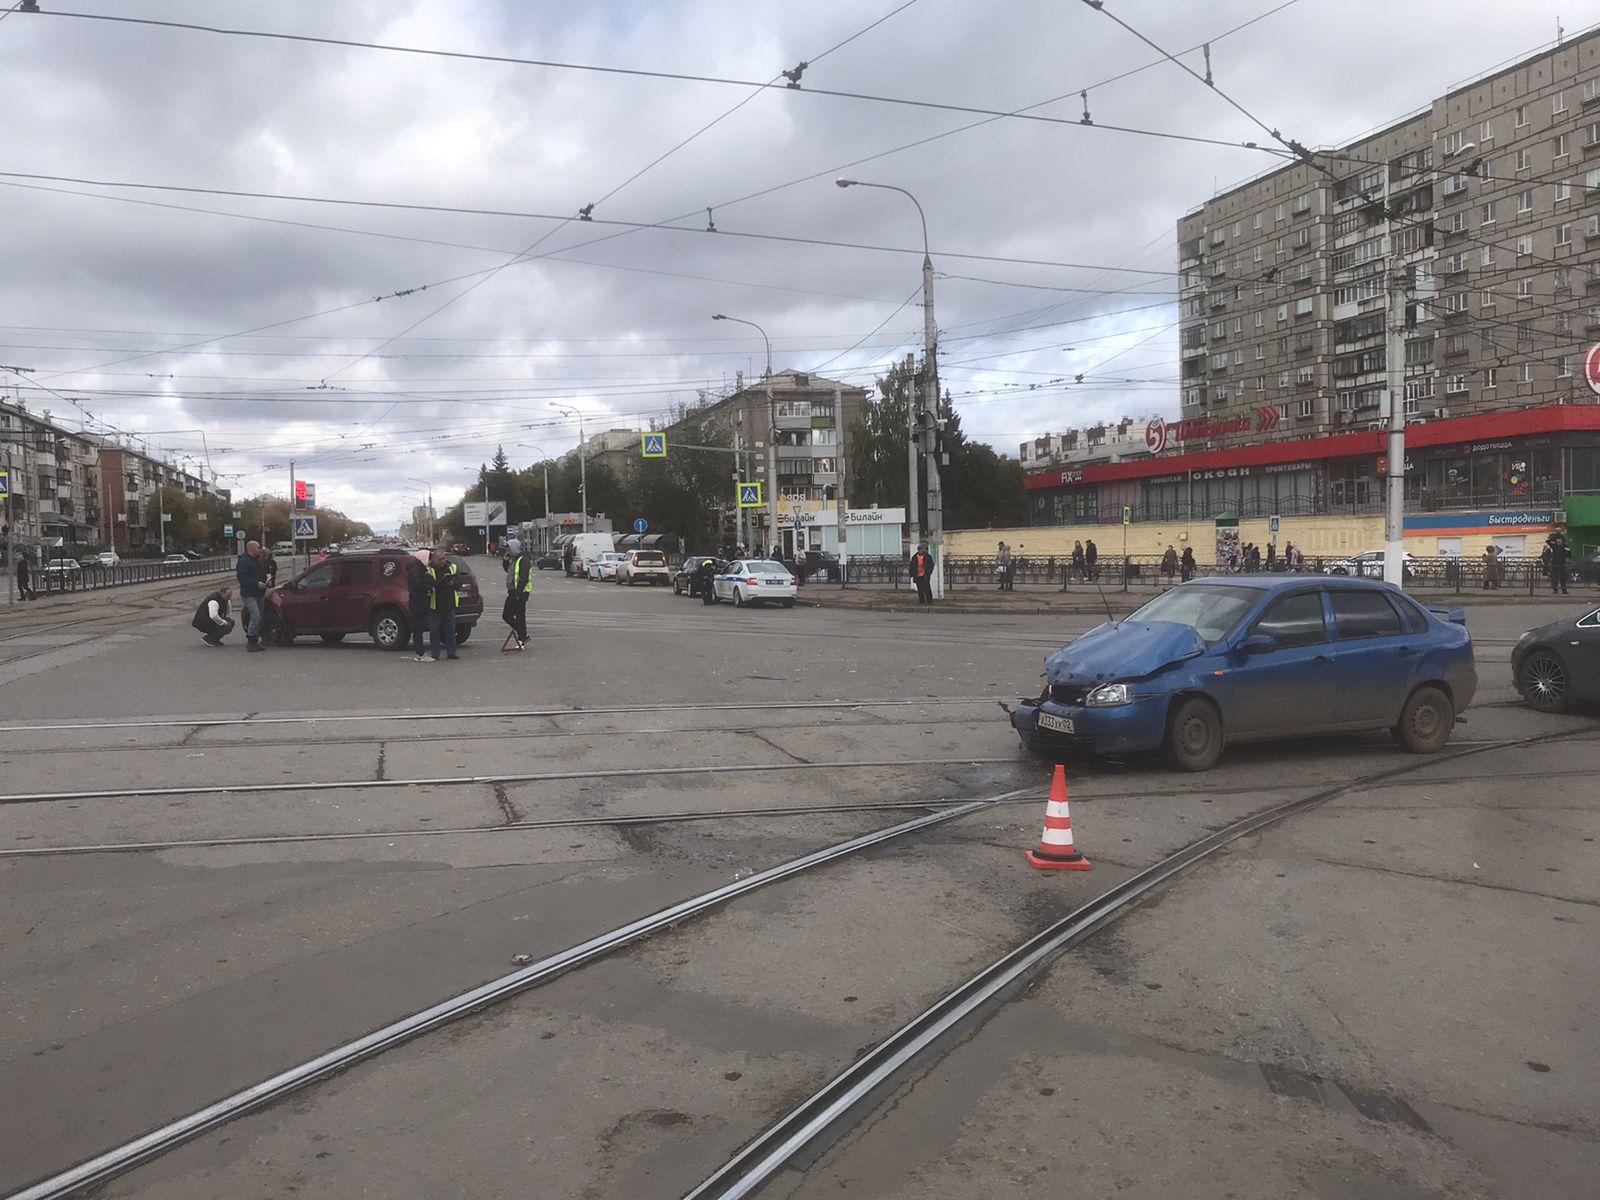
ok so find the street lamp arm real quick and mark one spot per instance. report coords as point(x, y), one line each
point(889, 187)
point(757, 328)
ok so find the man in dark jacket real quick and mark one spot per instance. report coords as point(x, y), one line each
point(566, 559)
point(705, 573)
point(1186, 564)
point(922, 573)
point(418, 590)
point(251, 574)
point(1091, 559)
point(24, 570)
point(211, 616)
point(519, 584)
point(444, 577)
point(1557, 553)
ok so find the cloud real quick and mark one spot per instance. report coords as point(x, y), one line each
point(621, 328)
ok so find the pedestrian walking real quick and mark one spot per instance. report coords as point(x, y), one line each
point(442, 601)
point(211, 616)
point(1091, 559)
point(1078, 567)
point(1186, 564)
point(519, 585)
point(419, 593)
point(1255, 558)
point(24, 570)
point(250, 573)
point(1169, 563)
point(1558, 552)
point(922, 573)
point(566, 559)
point(1491, 567)
point(1003, 567)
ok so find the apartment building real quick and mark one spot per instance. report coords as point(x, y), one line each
point(1092, 444)
point(616, 449)
point(809, 418)
point(1483, 210)
point(54, 480)
point(129, 478)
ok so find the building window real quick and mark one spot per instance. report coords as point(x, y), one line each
point(1486, 132)
point(1558, 104)
point(1564, 234)
point(1524, 331)
point(1280, 213)
point(1255, 222)
point(1455, 344)
point(1455, 385)
point(1220, 361)
point(1238, 324)
point(1305, 408)
point(1456, 302)
point(1302, 306)
point(1524, 289)
point(1261, 318)
point(1524, 162)
point(1302, 238)
point(1456, 222)
point(1283, 313)
point(1261, 383)
point(1558, 146)
point(1525, 201)
point(1563, 192)
point(1259, 253)
point(1455, 183)
point(1455, 263)
point(1525, 246)
point(1524, 372)
point(1302, 203)
point(1222, 394)
point(1306, 375)
point(1522, 115)
point(1453, 143)
point(1486, 214)
point(1564, 366)
point(1487, 257)
point(1564, 323)
point(1261, 349)
point(1489, 378)
point(1488, 298)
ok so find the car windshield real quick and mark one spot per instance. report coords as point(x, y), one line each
point(1209, 609)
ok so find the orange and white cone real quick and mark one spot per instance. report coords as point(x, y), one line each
point(1056, 851)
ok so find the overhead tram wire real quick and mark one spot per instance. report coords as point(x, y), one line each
point(688, 77)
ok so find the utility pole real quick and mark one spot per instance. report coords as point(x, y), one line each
point(583, 466)
point(772, 429)
point(741, 516)
point(11, 560)
point(294, 541)
point(840, 509)
point(1395, 507)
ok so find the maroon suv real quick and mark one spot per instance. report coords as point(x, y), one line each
point(362, 593)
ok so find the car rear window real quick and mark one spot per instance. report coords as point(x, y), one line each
point(766, 567)
point(1364, 614)
point(1416, 620)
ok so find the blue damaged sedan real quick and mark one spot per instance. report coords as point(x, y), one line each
point(1215, 661)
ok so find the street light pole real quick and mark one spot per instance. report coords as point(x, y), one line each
point(583, 467)
point(429, 486)
point(772, 429)
point(923, 422)
point(1394, 518)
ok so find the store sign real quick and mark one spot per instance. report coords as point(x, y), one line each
point(1591, 369)
point(1072, 477)
point(1159, 434)
point(875, 516)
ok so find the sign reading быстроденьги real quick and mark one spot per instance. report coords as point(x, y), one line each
point(1512, 521)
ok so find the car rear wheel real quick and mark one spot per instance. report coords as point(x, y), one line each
point(389, 629)
point(738, 598)
point(1544, 681)
point(1425, 721)
point(788, 603)
point(332, 639)
point(1194, 735)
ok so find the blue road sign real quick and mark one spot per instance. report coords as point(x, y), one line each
point(799, 522)
point(227, 531)
point(640, 524)
point(749, 495)
point(653, 445)
point(305, 529)
point(1272, 523)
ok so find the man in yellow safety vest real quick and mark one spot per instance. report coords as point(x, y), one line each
point(442, 601)
point(519, 585)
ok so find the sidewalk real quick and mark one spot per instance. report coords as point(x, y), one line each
point(1040, 599)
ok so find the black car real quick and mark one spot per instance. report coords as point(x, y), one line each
point(1585, 569)
point(818, 564)
point(686, 579)
point(548, 561)
point(1559, 664)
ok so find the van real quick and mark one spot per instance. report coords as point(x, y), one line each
point(282, 548)
point(587, 547)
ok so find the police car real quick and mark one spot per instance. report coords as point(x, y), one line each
point(754, 581)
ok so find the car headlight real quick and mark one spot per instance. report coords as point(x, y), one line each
point(1107, 695)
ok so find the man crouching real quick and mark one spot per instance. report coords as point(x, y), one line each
point(211, 617)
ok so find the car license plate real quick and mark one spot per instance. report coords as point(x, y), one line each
point(1058, 724)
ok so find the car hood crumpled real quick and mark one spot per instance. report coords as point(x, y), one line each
point(1123, 651)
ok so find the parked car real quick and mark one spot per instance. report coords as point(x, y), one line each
point(1370, 566)
point(754, 581)
point(62, 570)
point(588, 547)
point(1558, 664)
point(818, 564)
point(686, 579)
point(1248, 658)
point(462, 549)
point(603, 566)
point(643, 566)
point(175, 560)
point(548, 561)
point(285, 548)
point(107, 558)
point(363, 592)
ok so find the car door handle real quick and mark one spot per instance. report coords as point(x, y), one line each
point(1405, 651)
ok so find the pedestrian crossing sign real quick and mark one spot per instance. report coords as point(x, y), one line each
point(5, 484)
point(749, 495)
point(653, 445)
point(305, 529)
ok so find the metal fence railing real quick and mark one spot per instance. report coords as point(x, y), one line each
point(51, 580)
point(1145, 573)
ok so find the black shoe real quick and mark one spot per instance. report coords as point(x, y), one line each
point(254, 648)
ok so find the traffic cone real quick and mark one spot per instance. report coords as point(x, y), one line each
point(1056, 851)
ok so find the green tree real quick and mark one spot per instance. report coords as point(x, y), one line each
point(877, 443)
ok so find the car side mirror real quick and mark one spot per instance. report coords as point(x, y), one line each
point(1259, 643)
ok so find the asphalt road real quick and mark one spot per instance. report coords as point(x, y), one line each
point(1392, 995)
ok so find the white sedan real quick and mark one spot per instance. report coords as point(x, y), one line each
point(755, 581)
point(1369, 565)
point(604, 567)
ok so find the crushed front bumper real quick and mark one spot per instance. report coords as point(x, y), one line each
point(1135, 728)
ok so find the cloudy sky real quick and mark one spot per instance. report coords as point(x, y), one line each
point(165, 312)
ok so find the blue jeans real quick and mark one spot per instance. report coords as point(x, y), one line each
point(442, 624)
point(420, 620)
point(252, 616)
